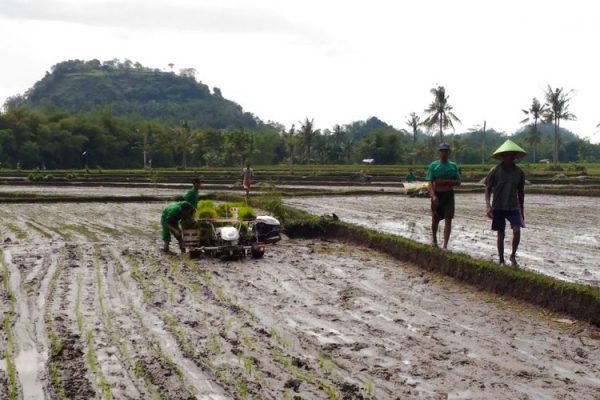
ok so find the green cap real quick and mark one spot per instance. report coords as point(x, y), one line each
point(509, 147)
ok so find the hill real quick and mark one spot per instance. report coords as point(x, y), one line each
point(81, 86)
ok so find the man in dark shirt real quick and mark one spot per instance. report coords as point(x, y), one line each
point(505, 185)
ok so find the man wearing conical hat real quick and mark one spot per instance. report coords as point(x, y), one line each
point(505, 186)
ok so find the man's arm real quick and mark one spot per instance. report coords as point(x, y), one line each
point(521, 195)
point(431, 187)
point(488, 204)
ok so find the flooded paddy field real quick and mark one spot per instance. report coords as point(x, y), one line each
point(562, 237)
point(93, 310)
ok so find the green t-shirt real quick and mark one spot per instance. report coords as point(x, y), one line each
point(410, 177)
point(191, 197)
point(171, 215)
point(505, 184)
point(442, 170)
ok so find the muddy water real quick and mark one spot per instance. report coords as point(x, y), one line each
point(314, 319)
point(562, 238)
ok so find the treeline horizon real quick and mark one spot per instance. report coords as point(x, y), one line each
point(51, 138)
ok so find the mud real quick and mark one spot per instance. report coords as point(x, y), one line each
point(110, 316)
point(562, 237)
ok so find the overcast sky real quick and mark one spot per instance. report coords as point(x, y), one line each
point(334, 61)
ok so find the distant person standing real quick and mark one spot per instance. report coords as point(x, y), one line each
point(247, 177)
point(410, 177)
point(505, 185)
point(443, 175)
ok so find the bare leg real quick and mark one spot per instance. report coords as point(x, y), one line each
point(500, 244)
point(515, 245)
point(434, 228)
point(447, 230)
point(166, 246)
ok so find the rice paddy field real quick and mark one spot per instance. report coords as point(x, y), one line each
point(92, 309)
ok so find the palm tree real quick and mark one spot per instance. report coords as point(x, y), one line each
point(534, 114)
point(440, 112)
point(557, 102)
point(413, 123)
point(339, 136)
point(307, 134)
point(289, 139)
point(183, 140)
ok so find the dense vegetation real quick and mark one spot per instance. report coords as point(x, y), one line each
point(124, 115)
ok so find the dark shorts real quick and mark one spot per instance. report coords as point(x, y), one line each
point(445, 207)
point(500, 217)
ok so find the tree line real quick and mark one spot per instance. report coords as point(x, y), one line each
point(51, 138)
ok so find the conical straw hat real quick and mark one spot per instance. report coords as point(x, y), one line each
point(509, 147)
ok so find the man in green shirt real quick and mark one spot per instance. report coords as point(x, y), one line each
point(410, 177)
point(506, 182)
point(443, 175)
point(192, 195)
point(170, 219)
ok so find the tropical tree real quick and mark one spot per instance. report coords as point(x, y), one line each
point(183, 140)
point(307, 135)
point(289, 138)
point(534, 113)
point(413, 122)
point(339, 138)
point(439, 113)
point(557, 103)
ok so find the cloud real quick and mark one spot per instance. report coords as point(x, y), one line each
point(179, 15)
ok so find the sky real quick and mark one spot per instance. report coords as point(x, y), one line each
point(333, 61)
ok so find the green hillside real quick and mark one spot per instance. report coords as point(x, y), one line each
point(82, 86)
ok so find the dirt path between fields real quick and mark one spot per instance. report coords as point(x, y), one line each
point(109, 316)
point(562, 238)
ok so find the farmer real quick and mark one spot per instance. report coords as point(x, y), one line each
point(192, 195)
point(171, 216)
point(410, 177)
point(442, 176)
point(247, 174)
point(505, 184)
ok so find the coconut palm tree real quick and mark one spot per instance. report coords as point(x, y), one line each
point(307, 135)
point(413, 122)
point(440, 112)
point(534, 113)
point(557, 103)
point(289, 139)
point(183, 139)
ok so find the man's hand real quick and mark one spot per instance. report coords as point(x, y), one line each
point(435, 200)
point(489, 212)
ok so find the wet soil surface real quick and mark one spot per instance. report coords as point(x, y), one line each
point(561, 238)
point(101, 313)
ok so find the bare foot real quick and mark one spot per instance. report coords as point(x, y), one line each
point(513, 261)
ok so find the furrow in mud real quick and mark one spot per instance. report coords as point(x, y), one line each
point(68, 373)
point(151, 349)
point(113, 317)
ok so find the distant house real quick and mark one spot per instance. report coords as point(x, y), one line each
point(544, 160)
point(368, 160)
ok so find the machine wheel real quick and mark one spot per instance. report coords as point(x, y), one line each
point(257, 252)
